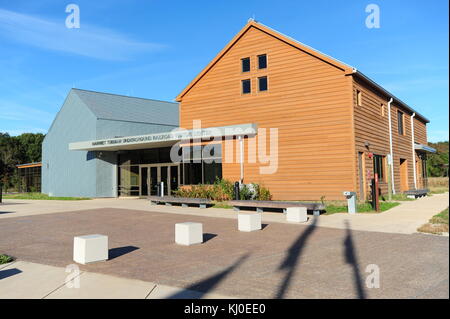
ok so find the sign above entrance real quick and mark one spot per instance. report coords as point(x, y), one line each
point(163, 139)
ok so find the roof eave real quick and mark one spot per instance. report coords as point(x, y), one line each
point(389, 94)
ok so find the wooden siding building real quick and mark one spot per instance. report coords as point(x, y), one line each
point(336, 127)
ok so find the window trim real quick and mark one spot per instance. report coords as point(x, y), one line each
point(242, 86)
point(358, 97)
point(249, 65)
point(267, 63)
point(267, 84)
point(402, 121)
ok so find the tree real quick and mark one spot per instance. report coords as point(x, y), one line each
point(437, 163)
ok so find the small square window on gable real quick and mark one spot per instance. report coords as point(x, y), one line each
point(262, 61)
point(245, 64)
point(358, 98)
point(246, 86)
point(262, 83)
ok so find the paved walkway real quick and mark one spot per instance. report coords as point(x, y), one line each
point(26, 280)
point(280, 261)
point(403, 219)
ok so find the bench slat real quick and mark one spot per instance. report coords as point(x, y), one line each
point(275, 204)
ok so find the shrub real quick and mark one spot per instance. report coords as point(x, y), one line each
point(223, 190)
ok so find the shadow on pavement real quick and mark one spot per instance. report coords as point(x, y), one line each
point(208, 236)
point(9, 272)
point(352, 259)
point(120, 251)
point(290, 262)
point(209, 283)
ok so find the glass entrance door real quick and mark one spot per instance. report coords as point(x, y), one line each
point(152, 175)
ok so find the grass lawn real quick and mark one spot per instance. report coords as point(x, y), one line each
point(4, 259)
point(361, 208)
point(40, 196)
point(438, 224)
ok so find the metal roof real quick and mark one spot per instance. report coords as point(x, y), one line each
point(129, 109)
point(424, 148)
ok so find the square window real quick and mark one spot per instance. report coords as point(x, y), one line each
point(246, 87)
point(245, 64)
point(262, 83)
point(262, 61)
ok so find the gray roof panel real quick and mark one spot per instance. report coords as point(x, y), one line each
point(131, 109)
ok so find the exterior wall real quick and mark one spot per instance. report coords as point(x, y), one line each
point(64, 172)
point(81, 173)
point(308, 100)
point(373, 127)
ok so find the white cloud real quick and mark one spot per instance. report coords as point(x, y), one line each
point(90, 41)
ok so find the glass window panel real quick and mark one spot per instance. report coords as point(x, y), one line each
point(246, 86)
point(245, 64)
point(262, 61)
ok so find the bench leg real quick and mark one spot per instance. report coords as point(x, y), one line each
point(236, 209)
point(184, 205)
point(316, 212)
point(168, 204)
point(202, 205)
point(259, 210)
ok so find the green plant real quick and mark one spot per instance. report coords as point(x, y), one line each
point(5, 259)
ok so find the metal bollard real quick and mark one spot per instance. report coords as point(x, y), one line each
point(351, 202)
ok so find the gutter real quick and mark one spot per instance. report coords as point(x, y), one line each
point(413, 152)
point(390, 145)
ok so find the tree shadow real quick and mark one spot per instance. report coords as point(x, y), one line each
point(202, 287)
point(120, 251)
point(352, 259)
point(9, 272)
point(208, 236)
point(290, 262)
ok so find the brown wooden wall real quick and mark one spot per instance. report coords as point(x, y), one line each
point(308, 100)
point(372, 126)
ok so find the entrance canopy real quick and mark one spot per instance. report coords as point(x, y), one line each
point(164, 139)
point(423, 148)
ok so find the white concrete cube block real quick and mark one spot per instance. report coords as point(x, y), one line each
point(90, 248)
point(296, 214)
point(188, 233)
point(249, 222)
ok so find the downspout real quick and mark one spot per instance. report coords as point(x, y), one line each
point(413, 152)
point(390, 145)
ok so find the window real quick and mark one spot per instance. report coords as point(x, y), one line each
point(378, 166)
point(358, 97)
point(401, 131)
point(262, 83)
point(245, 64)
point(202, 164)
point(262, 61)
point(246, 87)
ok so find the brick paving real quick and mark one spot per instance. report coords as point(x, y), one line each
point(281, 261)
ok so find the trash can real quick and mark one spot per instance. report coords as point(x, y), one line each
point(351, 202)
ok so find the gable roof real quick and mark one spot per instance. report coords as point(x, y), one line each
point(253, 24)
point(349, 70)
point(116, 107)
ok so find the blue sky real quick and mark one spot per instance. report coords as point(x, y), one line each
point(153, 49)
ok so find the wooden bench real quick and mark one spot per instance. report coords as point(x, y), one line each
point(260, 205)
point(416, 193)
point(184, 201)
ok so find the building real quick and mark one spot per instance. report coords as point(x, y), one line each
point(87, 115)
point(333, 129)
